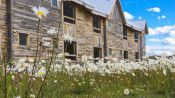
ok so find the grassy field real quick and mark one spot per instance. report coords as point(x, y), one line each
point(154, 84)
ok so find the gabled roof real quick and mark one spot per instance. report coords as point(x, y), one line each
point(103, 6)
point(99, 7)
point(139, 25)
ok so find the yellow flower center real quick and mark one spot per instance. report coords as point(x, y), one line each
point(40, 13)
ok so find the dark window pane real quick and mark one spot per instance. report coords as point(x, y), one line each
point(23, 39)
point(54, 3)
point(69, 9)
point(125, 34)
point(136, 36)
point(136, 55)
point(96, 22)
point(125, 54)
point(70, 47)
point(97, 52)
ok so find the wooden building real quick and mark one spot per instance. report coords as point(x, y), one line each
point(99, 28)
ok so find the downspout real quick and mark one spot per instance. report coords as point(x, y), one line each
point(9, 30)
point(105, 40)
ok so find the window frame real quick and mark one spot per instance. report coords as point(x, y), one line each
point(96, 59)
point(68, 19)
point(136, 38)
point(137, 56)
point(125, 34)
point(27, 40)
point(125, 55)
point(109, 23)
point(74, 55)
point(53, 4)
point(96, 29)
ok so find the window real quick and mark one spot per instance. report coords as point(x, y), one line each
point(54, 3)
point(137, 56)
point(125, 54)
point(23, 39)
point(109, 24)
point(97, 53)
point(97, 24)
point(71, 49)
point(69, 12)
point(136, 36)
point(109, 51)
point(125, 34)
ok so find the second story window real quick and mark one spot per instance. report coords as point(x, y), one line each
point(23, 39)
point(109, 24)
point(54, 3)
point(136, 36)
point(125, 34)
point(69, 12)
point(96, 24)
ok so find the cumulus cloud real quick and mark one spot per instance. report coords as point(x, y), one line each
point(169, 41)
point(158, 50)
point(154, 9)
point(161, 17)
point(162, 30)
point(154, 40)
point(128, 16)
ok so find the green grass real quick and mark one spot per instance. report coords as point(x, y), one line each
point(93, 85)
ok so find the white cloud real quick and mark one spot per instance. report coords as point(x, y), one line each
point(154, 40)
point(163, 30)
point(154, 9)
point(158, 50)
point(161, 17)
point(128, 16)
point(169, 41)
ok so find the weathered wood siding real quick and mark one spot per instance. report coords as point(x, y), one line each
point(3, 25)
point(25, 21)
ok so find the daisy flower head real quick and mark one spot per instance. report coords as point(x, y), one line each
point(68, 37)
point(126, 92)
point(40, 11)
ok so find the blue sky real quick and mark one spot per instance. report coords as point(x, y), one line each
point(160, 17)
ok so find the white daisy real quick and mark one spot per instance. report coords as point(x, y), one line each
point(40, 11)
point(126, 92)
